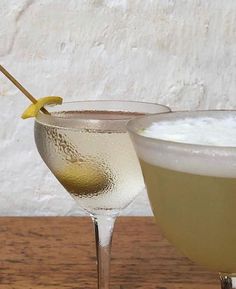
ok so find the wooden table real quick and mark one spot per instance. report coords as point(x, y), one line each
point(59, 253)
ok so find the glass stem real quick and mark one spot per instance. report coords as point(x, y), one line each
point(228, 281)
point(103, 226)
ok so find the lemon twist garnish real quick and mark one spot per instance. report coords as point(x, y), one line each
point(33, 109)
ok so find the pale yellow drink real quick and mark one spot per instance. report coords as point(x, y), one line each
point(89, 163)
point(196, 213)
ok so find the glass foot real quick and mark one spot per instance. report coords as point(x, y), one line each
point(228, 281)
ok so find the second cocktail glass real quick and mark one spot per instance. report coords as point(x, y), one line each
point(88, 149)
point(189, 164)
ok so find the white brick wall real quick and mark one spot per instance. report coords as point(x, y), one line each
point(178, 52)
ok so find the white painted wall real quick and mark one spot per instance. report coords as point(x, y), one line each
point(178, 52)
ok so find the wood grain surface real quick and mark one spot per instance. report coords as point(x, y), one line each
point(59, 252)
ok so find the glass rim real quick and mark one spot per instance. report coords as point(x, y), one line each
point(180, 145)
point(46, 118)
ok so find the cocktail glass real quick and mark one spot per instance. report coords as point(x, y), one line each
point(192, 190)
point(88, 149)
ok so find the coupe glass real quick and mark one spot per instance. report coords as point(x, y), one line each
point(86, 146)
point(192, 189)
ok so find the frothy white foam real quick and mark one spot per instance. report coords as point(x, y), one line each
point(202, 131)
point(212, 134)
